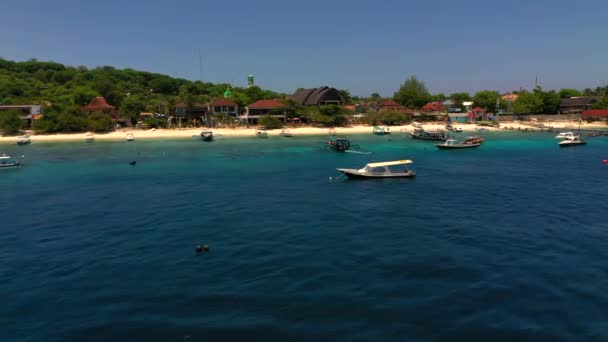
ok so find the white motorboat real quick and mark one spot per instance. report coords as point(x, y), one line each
point(381, 130)
point(286, 133)
point(89, 138)
point(8, 162)
point(565, 135)
point(572, 141)
point(24, 140)
point(260, 133)
point(130, 137)
point(390, 169)
point(416, 124)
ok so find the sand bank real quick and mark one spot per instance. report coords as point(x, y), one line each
point(250, 132)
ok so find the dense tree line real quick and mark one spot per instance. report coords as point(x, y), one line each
point(413, 93)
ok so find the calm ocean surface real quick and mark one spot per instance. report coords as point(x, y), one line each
point(505, 242)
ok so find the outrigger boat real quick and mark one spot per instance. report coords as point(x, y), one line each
point(7, 162)
point(286, 133)
point(339, 144)
point(572, 141)
point(24, 140)
point(207, 135)
point(89, 138)
point(130, 137)
point(469, 142)
point(388, 169)
point(381, 130)
point(429, 135)
point(260, 133)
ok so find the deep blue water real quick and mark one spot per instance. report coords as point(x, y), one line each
point(505, 242)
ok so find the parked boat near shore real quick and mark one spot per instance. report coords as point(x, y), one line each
point(572, 141)
point(8, 162)
point(286, 133)
point(429, 135)
point(24, 140)
point(207, 135)
point(339, 144)
point(381, 130)
point(452, 144)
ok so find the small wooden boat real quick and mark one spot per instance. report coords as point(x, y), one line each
point(381, 130)
point(469, 142)
point(429, 135)
point(390, 169)
point(89, 138)
point(260, 133)
point(207, 135)
point(130, 137)
point(8, 162)
point(24, 140)
point(572, 141)
point(286, 133)
point(339, 144)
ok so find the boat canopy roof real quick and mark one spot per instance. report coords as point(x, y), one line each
point(5, 157)
point(390, 163)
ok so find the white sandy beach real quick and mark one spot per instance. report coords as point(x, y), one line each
point(187, 133)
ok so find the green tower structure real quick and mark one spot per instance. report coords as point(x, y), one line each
point(250, 80)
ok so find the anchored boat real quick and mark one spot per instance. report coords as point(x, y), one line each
point(260, 133)
point(565, 135)
point(572, 141)
point(390, 169)
point(207, 135)
point(89, 138)
point(24, 140)
point(339, 144)
point(130, 137)
point(452, 144)
point(381, 130)
point(8, 162)
point(429, 135)
point(286, 133)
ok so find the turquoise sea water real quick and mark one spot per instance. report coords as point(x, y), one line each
point(505, 242)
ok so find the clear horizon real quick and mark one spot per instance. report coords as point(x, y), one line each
point(362, 46)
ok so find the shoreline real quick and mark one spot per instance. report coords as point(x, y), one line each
point(242, 132)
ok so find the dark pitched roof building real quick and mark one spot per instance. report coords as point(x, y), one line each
point(318, 96)
point(576, 105)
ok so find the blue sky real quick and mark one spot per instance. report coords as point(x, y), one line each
point(364, 46)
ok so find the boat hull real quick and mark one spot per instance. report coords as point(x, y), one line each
point(456, 146)
point(573, 144)
point(354, 174)
point(430, 138)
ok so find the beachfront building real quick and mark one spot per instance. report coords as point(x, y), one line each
point(197, 110)
point(225, 107)
point(99, 104)
point(390, 105)
point(29, 113)
point(318, 97)
point(254, 111)
point(577, 105)
point(599, 114)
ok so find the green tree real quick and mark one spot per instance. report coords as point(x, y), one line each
point(487, 99)
point(330, 115)
point(100, 122)
point(131, 107)
point(393, 117)
point(375, 96)
point(10, 122)
point(347, 96)
point(566, 93)
point(528, 103)
point(412, 93)
point(270, 122)
point(551, 101)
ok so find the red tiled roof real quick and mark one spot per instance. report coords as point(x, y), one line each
point(223, 102)
point(388, 103)
point(98, 103)
point(432, 107)
point(266, 104)
point(595, 112)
